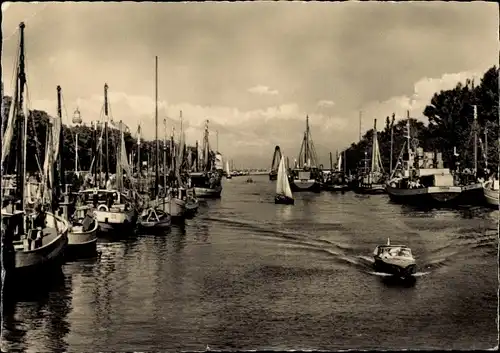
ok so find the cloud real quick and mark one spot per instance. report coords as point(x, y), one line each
point(264, 90)
point(326, 103)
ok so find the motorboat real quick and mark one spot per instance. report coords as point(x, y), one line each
point(396, 260)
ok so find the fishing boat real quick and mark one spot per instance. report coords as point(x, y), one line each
point(396, 260)
point(191, 202)
point(273, 173)
point(371, 179)
point(207, 181)
point(82, 234)
point(113, 210)
point(283, 191)
point(335, 179)
point(422, 186)
point(154, 219)
point(306, 176)
point(491, 191)
point(228, 172)
point(33, 244)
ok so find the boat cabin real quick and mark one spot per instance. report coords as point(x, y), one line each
point(103, 196)
point(393, 250)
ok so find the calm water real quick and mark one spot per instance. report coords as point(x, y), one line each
point(249, 274)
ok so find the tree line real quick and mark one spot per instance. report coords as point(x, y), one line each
point(450, 124)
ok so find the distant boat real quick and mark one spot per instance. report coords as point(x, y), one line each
point(491, 191)
point(273, 173)
point(372, 179)
point(396, 260)
point(191, 202)
point(306, 176)
point(283, 190)
point(228, 172)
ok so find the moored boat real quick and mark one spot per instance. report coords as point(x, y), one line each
point(82, 234)
point(396, 260)
point(283, 191)
point(154, 219)
point(306, 176)
point(491, 191)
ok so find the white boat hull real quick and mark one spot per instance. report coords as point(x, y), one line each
point(81, 243)
point(207, 192)
point(110, 220)
point(491, 196)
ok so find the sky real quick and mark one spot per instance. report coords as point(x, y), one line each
point(254, 70)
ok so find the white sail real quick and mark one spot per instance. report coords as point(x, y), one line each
point(227, 168)
point(9, 130)
point(282, 184)
point(339, 163)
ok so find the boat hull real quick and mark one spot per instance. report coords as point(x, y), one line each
point(208, 193)
point(373, 189)
point(393, 269)
point(38, 264)
point(82, 244)
point(431, 196)
point(311, 185)
point(491, 197)
point(273, 176)
point(283, 200)
point(335, 187)
point(175, 207)
point(472, 195)
point(115, 221)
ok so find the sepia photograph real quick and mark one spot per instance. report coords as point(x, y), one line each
point(249, 176)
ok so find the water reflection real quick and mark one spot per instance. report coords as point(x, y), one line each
point(38, 322)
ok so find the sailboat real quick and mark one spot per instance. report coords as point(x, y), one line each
point(26, 251)
point(114, 208)
point(423, 186)
point(228, 172)
point(207, 182)
point(283, 190)
point(491, 190)
point(306, 176)
point(334, 179)
point(371, 180)
point(273, 173)
point(83, 225)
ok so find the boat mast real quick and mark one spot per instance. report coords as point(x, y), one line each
point(60, 166)
point(157, 176)
point(392, 142)
point(486, 146)
point(139, 151)
point(306, 141)
point(374, 147)
point(165, 153)
point(475, 139)
point(408, 140)
point(22, 122)
point(106, 132)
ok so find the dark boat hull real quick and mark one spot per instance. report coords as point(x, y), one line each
point(80, 251)
point(472, 195)
point(334, 187)
point(398, 271)
point(273, 176)
point(374, 189)
point(283, 200)
point(425, 197)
